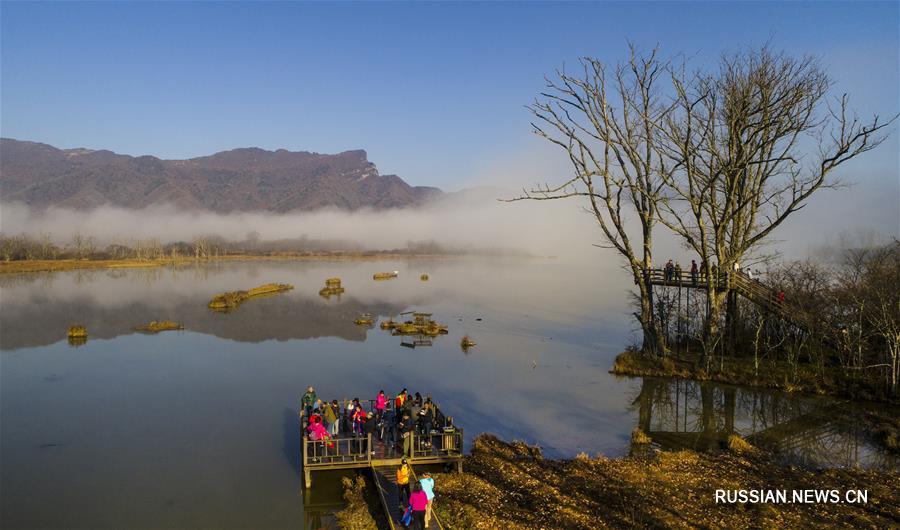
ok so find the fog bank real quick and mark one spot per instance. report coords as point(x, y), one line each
point(469, 219)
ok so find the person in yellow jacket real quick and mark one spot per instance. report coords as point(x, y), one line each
point(403, 483)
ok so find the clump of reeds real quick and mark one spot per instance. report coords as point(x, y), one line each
point(638, 436)
point(78, 332)
point(231, 299)
point(155, 326)
point(736, 444)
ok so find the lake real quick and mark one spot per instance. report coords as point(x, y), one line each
point(199, 427)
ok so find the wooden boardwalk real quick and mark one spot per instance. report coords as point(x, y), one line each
point(386, 481)
point(737, 281)
point(385, 478)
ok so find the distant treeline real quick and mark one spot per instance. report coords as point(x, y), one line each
point(44, 247)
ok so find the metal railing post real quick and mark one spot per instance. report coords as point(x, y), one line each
point(369, 448)
point(303, 440)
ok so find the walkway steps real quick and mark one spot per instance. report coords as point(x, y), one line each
point(386, 480)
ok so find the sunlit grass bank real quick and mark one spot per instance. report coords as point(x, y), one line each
point(510, 485)
point(18, 266)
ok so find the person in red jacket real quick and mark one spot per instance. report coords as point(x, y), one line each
point(400, 400)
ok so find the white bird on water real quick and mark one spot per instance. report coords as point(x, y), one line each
point(533, 365)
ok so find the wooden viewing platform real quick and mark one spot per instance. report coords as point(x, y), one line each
point(438, 447)
point(740, 283)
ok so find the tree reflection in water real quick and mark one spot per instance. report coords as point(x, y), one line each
point(808, 431)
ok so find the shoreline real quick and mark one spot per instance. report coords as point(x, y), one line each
point(741, 372)
point(25, 266)
point(511, 485)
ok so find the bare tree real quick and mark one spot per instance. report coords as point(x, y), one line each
point(737, 144)
point(201, 247)
point(79, 245)
point(606, 121)
point(885, 313)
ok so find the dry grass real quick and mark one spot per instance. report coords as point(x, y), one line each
point(20, 266)
point(639, 437)
point(356, 514)
point(510, 486)
point(155, 326)
point(77, 332)
point(73, 264)
point(736, 444)
point(231, 299)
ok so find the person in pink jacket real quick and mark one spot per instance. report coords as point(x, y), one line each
point(418, 501)
point(317, 431)
point(380, 405)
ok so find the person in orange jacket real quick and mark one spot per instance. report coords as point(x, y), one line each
point(403, 473)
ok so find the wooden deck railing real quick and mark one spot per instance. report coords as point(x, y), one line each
point(685, 278)
point(358, 449)
point(749, 288)
point(355, 449)
point(438, 444)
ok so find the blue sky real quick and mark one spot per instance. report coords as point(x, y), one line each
point(433, 91)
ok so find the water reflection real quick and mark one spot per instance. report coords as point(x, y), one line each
point(805, 431)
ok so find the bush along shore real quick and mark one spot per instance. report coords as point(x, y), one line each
point(511, 486)
point(746, 371)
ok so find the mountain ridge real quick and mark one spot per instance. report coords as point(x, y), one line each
point(242, 179)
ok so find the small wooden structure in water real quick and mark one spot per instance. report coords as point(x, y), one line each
point(421, 324)
point(416, 341)
point(365, 319)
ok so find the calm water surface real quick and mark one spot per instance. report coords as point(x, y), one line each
point(198, 428)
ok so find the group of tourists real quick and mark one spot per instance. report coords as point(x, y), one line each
point(672, 275)
point(390, 419)
point(672, 271)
